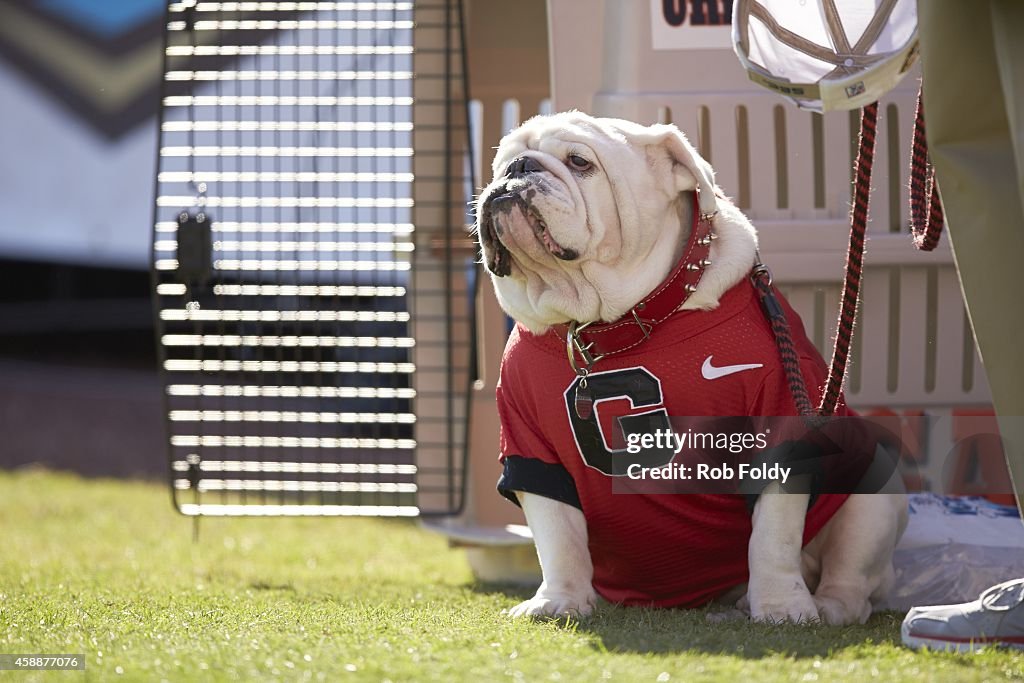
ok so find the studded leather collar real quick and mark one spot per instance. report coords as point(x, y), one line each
point(587, 343)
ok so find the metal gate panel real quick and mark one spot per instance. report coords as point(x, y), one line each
point(283, 249)
point(445, 269)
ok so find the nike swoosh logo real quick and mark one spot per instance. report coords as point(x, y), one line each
point(709, 371)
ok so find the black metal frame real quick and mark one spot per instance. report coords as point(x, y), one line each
point(262, 425)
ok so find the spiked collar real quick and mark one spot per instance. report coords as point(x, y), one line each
point(587, 343)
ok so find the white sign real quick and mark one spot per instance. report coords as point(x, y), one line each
point(691, 24)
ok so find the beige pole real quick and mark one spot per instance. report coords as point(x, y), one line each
point(973, 71)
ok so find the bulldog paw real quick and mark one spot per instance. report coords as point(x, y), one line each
point(554, 604)
point(777, 604)
point(841, 610)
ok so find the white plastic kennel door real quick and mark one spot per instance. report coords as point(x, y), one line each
point(282, 257)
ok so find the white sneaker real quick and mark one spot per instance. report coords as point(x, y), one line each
point(996, 618)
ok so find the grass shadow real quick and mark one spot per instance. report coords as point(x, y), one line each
point(512, 591)
point(648, 630)
point(271, 586)
point(664, 631)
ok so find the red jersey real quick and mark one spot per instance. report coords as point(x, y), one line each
point(665, 550)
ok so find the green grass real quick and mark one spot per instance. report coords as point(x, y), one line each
point(108, 569)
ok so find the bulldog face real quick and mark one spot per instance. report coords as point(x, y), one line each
point(586, 216)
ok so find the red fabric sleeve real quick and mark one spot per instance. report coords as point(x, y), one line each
point(522, 429)
point(520, 435)
point(531, 463)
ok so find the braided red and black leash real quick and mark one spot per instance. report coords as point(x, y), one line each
point(854, 261)
point(762, 280)
point(926, 216)
point(926, 226)
point(851, 289)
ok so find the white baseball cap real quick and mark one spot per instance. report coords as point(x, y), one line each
point(826, 55)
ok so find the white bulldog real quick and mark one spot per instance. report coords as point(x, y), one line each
point(585, 218)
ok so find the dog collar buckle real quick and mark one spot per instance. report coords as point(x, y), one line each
point(575, 345)
point(633, 329)
point(583, 400)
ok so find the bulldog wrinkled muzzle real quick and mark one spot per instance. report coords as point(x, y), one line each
point(498, 208)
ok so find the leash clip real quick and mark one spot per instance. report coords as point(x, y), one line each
point(761, 271)
point(761, 278)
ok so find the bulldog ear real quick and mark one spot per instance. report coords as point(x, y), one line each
point(685, 155)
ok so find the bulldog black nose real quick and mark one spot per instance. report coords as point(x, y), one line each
point(521, 166)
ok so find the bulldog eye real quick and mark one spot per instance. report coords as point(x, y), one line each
point(578, 163)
